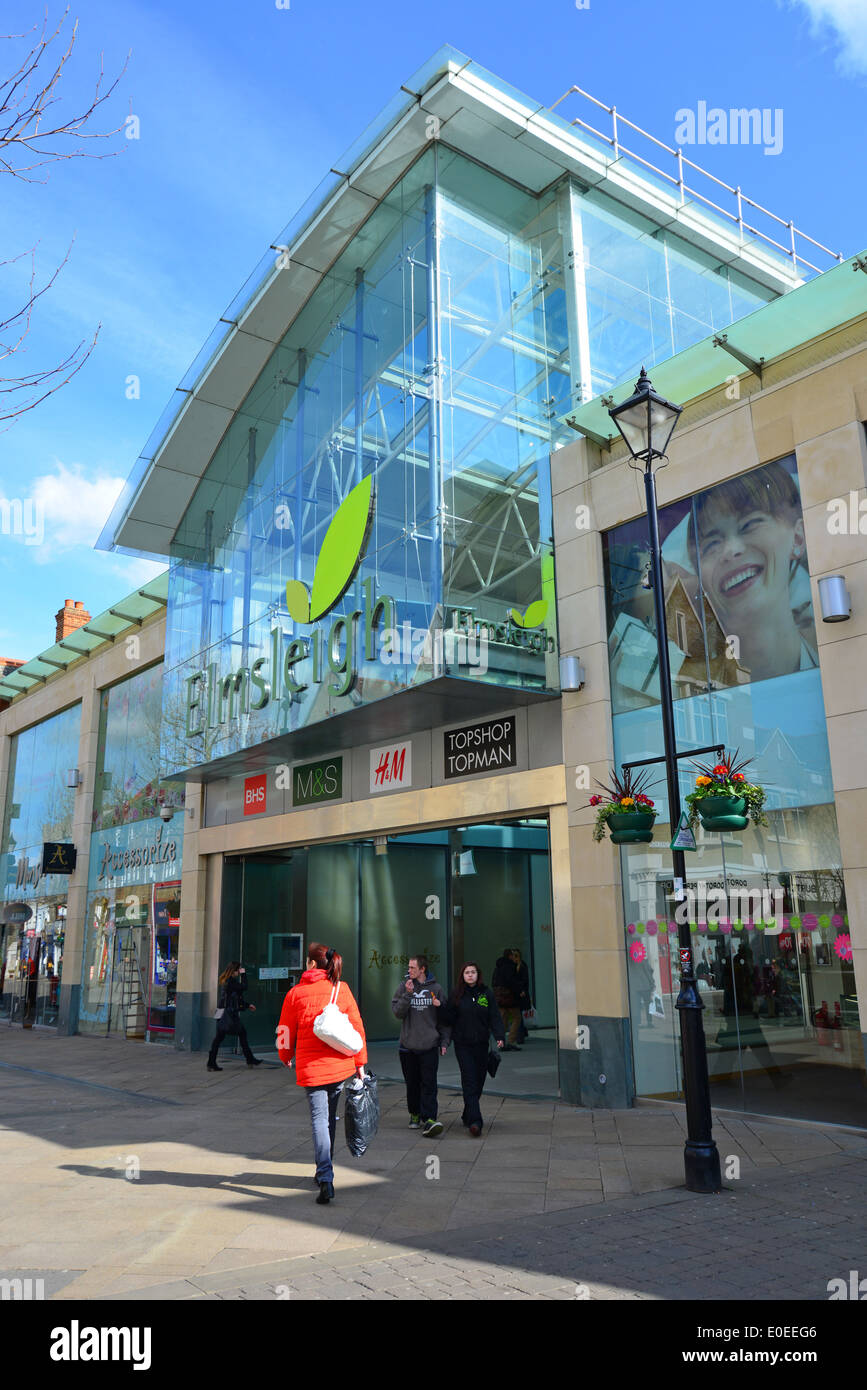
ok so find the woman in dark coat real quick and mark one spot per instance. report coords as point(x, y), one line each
point(473, 1015)
point(506, 990)
point(233, 982)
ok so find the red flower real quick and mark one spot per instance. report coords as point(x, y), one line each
point(595, 800)
point(738, 777)
point(720, 770)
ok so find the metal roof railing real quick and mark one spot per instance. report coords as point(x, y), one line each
point(129, 613)
point(745, 228)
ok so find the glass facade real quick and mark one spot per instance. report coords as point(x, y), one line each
point(425, 360)
point(128, 787)
point(437, 358)
point(130, 962)
point(769, 917)
point(38, 808)
point(648, 294)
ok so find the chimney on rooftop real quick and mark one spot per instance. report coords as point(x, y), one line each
point(72, 615)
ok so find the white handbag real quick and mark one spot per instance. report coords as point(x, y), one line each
point(334, 1028)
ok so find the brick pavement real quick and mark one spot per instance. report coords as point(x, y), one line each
point(553, 1202)
point(778, 1237)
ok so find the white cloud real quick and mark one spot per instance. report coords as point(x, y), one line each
point(73, 508)
point(848, 19)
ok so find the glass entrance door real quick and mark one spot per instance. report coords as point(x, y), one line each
point(469, 893)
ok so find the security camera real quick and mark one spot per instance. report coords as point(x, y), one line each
point(166, 812)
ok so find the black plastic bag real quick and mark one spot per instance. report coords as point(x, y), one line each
point(493, 1062)
point(360, 1113)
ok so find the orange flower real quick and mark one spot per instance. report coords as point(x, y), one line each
point(702, 781)
point(627, 801)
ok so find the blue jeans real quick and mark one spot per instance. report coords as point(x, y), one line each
point(323, 1115)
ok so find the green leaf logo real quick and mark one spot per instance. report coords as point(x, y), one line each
point(298, 601)
point(534, 616)
point(342, 551)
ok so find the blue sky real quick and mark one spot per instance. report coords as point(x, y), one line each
point(242, 110)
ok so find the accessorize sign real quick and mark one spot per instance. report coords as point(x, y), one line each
point(118, 862)
point(480, 747)
point(315, 782)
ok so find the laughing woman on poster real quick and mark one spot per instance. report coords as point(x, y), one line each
point(750, 549)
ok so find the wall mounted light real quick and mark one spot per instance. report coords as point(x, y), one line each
point(572, 673)
point(73, 777)
point(834, 599)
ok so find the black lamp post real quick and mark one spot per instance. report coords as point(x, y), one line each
point(647, 421)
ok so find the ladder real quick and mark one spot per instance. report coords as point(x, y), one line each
point(133, 999)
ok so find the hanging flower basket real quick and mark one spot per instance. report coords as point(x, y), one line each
point(723, 799)
point(625, 810)
point(631, 827)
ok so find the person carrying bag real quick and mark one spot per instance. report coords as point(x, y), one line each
point(473, 1016)
point(233, 982)
point(319, 1022)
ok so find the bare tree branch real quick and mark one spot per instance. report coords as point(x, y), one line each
point(33, 135)
point(22, 114)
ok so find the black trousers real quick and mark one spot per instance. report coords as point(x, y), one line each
point(420, 1074)
point(225, 1027)
point(473, 1062)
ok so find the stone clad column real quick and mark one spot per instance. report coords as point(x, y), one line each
point(597, 1069)
point(832, 468)
point(192, 987)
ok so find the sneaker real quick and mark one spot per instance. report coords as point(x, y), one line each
point(475, 1130)
point(212, 1066)
point(415, 1122)
point(431, 1129)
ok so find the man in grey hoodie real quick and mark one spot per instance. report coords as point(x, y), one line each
point(423, 1038)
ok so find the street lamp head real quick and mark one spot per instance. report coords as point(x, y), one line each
point(646, 421)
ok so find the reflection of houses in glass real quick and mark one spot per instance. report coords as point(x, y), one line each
point(709, 658)
point(698, 646)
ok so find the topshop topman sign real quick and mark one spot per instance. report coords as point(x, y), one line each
point(480, 747)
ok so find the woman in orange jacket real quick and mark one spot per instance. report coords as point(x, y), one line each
point(319, 1068)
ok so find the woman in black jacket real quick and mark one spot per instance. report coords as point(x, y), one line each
point(473, 1015)
point(233, 982)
